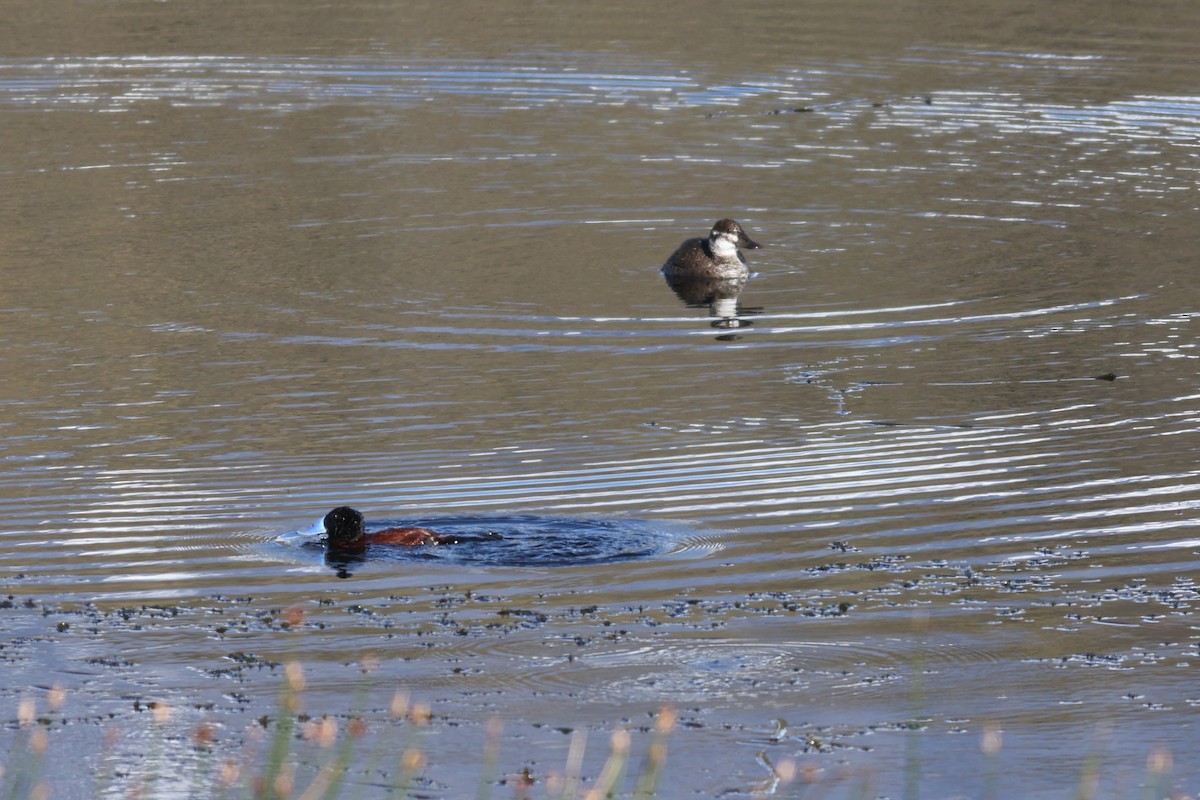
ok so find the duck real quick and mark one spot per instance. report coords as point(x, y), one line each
point(345, 532)
point(716, 257)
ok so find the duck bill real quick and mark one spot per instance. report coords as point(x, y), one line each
point(746, 242)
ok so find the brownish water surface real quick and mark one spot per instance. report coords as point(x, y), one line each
point(260, 259)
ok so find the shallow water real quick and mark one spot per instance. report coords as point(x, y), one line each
point(263, 260)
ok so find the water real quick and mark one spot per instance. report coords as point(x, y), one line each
point(938, 481)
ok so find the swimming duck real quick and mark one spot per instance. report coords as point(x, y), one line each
point(344, 533)
point(715, 257)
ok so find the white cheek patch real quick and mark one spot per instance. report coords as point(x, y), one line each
point(723, 246)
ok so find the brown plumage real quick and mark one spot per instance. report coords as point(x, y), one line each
point(715, 257)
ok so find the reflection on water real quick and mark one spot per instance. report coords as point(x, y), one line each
point(719, 296)
point(936, 479)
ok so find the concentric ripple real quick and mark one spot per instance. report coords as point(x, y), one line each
point(523, 540)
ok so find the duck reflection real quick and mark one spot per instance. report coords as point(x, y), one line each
point(344, 564)
point(719, 296)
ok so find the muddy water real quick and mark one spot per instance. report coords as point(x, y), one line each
point(938, 479)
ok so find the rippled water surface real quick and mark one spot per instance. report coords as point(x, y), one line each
point(925, 485)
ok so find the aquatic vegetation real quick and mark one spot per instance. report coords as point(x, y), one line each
point(298, 756)
point(306, 757)
point(364, 749)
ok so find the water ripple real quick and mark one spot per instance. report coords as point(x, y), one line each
point(299, 83)
point(897, 486)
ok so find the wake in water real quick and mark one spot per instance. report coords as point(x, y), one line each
point(516, 540)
